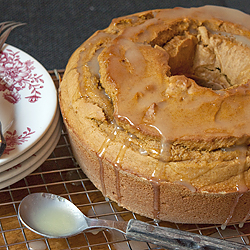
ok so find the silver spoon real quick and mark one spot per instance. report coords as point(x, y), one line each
point(53, 216)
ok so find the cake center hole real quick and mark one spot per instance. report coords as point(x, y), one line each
point(195, 55)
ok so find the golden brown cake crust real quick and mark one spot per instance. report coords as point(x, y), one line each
point(157, 110)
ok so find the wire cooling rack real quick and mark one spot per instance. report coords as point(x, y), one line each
point(61, 175)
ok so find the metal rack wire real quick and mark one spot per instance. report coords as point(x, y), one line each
point(60, 174)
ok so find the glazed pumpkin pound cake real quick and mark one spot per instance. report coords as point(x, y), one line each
point(157, 107)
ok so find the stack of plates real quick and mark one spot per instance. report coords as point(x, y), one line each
point(29, 114)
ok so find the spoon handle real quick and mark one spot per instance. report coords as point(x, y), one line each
point(174, 239)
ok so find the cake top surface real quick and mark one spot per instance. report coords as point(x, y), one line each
point(179, 73)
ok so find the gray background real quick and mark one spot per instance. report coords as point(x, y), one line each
point(55, 28)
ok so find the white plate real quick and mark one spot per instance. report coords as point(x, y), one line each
point(28, 166)
point(32, 91)
point(35, 148)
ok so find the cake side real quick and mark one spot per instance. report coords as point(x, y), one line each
point(175, 202)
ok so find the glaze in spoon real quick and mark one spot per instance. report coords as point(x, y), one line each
point(53, 216)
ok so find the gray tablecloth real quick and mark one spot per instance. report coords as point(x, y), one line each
point(55, 28)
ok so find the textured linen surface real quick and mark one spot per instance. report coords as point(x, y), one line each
point(55, 28)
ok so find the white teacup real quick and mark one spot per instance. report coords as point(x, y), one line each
point(6, 113)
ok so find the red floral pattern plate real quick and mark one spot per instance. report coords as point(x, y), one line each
point(29, 162)
point(35, 148)
point(29, 87)
point(26, 167)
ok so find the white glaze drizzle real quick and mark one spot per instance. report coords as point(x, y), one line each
point(241, 185)
point(100, 158)
point(186, 184)
point(93, 63)
point(235, 203)
point(119, 159)
point(117, 167)
point(241, 224)
point(156, 198)
point(101, 153)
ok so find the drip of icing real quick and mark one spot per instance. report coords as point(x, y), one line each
point(142, 151)
point(165, 150)
point(101, 153)
point(119, 159)
point(156, 198)
point(165, 145)
point(117, 167)
point(121, 154)
point(186, 184)
point(241, 185)
point(236, 201)
point(242, 188)
point(100, 157)
point(103, 147)
point(241, 224)
point(128, 142)
point(93, 63)
point(156, 194)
